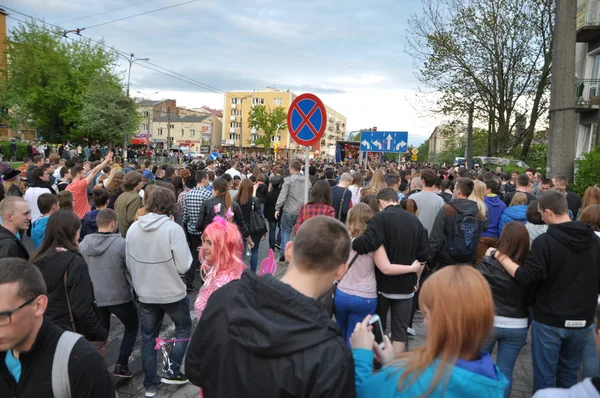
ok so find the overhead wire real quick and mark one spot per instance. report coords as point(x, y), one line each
point(164, 71)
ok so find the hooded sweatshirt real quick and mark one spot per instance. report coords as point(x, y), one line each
point(157, 254)
point(268, 340)
point(565, 264)
point(89, 226)
point(535, 230)
point(468, 379)
point(38, 230)
point(105, 257)
point(588, 388)
point(513, 213)
point(495, 207)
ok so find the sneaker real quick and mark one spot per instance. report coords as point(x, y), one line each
point(150, 392)
point(277, 246)
point(411, 331)
point(282, 259)
point(170, 379)
point(122, 371)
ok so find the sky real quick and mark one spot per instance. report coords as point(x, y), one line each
point(350, 53)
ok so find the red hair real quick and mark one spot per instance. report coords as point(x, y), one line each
point(226, 250)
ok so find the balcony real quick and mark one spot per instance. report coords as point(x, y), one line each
point(588, 21)
point(587, 94)
point(232, 130)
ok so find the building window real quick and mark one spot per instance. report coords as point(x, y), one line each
point(234, 124)
point(192, 133)
point(258, 101)
point(276, 138)
point(146, 114)
point(172, 126)
point(236, 100)
point(182, 132)
point(278, 101)
point(160, 132)
point(234, 136)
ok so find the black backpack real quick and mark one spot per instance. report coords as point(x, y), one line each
point(462, 246)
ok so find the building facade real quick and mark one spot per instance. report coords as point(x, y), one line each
point(587, 82)
point(238, 135)
point(439, 139)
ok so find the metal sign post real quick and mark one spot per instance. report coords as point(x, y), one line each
point(306, 121)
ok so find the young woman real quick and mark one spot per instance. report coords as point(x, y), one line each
point(591, 196)
point(410, 206)
point(356, 186)
point(517, 211)
point(89, 226)
point(510, 300)
point(249, 204)
point(356, 294)
point(459, 314)
point(67, 279)
point(318, 205)
point(114, 186)
point(270, 202)
point(221, 257)
point(378, 180)
point(260, 191)
point(65, 200)
point(478, 196)
point(219, 205)
point(372, 202)
point(179, 189)
point(535, 225)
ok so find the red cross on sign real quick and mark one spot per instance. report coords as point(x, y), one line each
point(307, 119)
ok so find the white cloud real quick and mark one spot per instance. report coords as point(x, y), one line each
point(362, 80)
point(265, 27)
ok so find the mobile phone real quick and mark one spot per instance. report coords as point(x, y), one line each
point(377, 330)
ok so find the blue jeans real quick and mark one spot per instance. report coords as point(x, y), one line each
point(287, 225)
point(253, 252)
point(556, 354)
point(591, 363)
point(510, 342)
point(151, 316)
point(350, 309)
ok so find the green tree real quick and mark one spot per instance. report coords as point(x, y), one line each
point(495, 54)
point(423, 155)
point(46, 77)
point(266, 121)
point(588, 170)
point(108, 114)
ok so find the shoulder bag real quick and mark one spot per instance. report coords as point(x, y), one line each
point(339, 216)
point(257, 226)
point(328, 298)
point(100, 345)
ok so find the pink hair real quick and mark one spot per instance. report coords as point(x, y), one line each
point(226, 250)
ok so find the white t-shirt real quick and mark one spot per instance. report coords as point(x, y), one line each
point(31, 196)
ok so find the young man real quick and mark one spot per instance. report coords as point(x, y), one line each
point(564, 268)
point(281, 337)
point(290, 200)
point(48, 205)
point(405, 241)
point(104, 253)
point(341, 197)
point(546, 185)
point(428, 201)
point(524, 185)
point(192, 203)
point(130, 201)
point(79, 184)
point(37, 161)
point(16, 217)
point(38, 175)
point(560, 182)
point(495, 206)
point(157, 254)
point(457, 228)
point(63, 180)
point(29, 343)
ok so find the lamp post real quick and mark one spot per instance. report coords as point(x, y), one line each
point(242, 121)
point(132, 60)
point(277, 132)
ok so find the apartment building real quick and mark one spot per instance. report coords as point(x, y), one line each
point(237, 133)
point(439, 139)
point(587, 82)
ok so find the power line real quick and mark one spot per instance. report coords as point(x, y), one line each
point(137, 15)
point(106, 12)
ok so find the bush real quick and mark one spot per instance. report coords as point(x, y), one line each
point(21, 150)
point(587, 170)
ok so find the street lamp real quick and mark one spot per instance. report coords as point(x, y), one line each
point(242, 121)
point(277, 135)
point(147, 96)
point(131, 59)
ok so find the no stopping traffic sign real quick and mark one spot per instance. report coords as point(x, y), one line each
point(307, 119)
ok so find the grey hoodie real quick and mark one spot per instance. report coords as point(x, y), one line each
point(585, 389)
point(157, 254)
point(105, 257)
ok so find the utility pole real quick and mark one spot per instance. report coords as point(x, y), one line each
point(131, 59)
point(168, 129)
point(563, 121)
point(469, 151)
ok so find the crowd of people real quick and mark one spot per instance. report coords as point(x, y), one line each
point(486, 256)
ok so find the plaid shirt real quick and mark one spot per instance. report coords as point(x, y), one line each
point(313, 210)
point(192, 202)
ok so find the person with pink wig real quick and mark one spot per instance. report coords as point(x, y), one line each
point(221, 257)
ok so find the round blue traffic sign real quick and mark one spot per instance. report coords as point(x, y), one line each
point(307, 119)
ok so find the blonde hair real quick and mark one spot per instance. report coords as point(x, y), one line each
point(378, 180)
point(478, 196)
point(358, 218)
point(519, 199)
point(458, 303)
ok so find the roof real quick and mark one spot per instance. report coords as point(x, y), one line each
point(149, 103)
point(216, 112)
point(182, 119)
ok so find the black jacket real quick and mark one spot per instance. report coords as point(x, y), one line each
point(336, 198)
point(510, 297)
point(443, 231)
point(247, 211)
point(258, 337)
point(11, 246)
point(565, 264)
point(81, 294)
point(88, 375)
point(261, 192)
point(207, 214)
point(404, 239)
point(270, 203)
